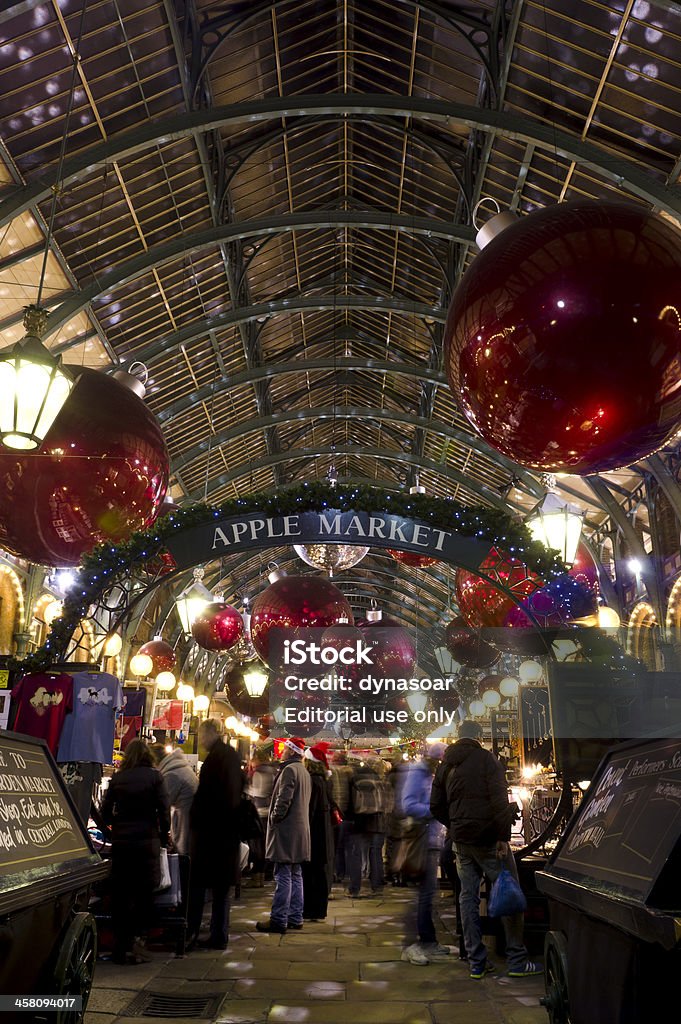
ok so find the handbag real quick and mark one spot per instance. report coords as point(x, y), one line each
point(165, 880)
point(411, 855)
point(506, 897)
point(172, 897)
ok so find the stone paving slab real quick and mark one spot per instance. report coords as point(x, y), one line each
point(99, 1018)
point(348, 970)
point(300, 1012)
point(371, 954)
point(242, 1011)
point(290, 991)
point(316, 953)
point(473, 1014)
point(268, 969)
point(109, 1001)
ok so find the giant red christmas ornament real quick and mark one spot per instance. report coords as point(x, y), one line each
point(393, 653)
point(480, 603)
point(411, 559)
point(293, 602)
point(161, 653)
point(218, 628)
point(101, 473)
point(563, 340)
point(467, 647)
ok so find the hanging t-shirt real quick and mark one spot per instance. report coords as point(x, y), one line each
point(43, 700)
point(89, 732)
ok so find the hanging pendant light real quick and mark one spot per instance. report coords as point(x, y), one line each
point(192, 601)
point(33, 387)
point(255, 681)
point(331, 557)
point(556, 523)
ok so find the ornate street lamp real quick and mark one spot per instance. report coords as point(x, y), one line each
point(556, 523)
point(192, 601)
point(255, 681)
point(33, 387)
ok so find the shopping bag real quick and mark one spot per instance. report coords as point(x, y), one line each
point(244, 855)
point(506, 897)
point(165, 880)
point(411, 854)
point(171, 897)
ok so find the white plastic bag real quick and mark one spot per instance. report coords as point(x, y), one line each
point(244, 854)
point(166, 880)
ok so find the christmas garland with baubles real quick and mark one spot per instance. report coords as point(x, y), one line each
point(100, 567)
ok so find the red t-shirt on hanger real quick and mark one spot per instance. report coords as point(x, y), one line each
point(43, 700)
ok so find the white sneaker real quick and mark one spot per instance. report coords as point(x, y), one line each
point(437, 951)
point(414, 954)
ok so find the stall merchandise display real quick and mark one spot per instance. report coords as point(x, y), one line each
point(129, 723)
point(88, 732)
point(42, 702)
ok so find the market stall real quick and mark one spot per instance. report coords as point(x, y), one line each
point(614, 893)
point(47, 865)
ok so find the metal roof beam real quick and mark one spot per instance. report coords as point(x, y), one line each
point(486, 494)
point(507, 124)
point(183, 245)
point(294, 304)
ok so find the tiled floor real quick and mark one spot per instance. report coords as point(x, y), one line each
point(345, 971)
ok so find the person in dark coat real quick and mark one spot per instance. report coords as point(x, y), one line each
point(367, 812)
point(318, 871)
point(287, 843)
point(136, 809)
point(214, 836)
point(470, 796)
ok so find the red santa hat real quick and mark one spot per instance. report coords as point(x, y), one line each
point(318, 753)
point(295, 744)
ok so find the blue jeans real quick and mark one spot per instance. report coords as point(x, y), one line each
point(419, 918)
point(365, 843)
point(472, 862)
point(287, 903)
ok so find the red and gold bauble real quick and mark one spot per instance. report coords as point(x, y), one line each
point(563, 340)
point(480, 603)
point(467, 647)
point(393, 653)
point(410, 558)
point(219, 627)
point(162, 655)
point(101, 473)
point(295, 602)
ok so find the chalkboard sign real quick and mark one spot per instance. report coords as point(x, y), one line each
point(629, 822)
point(39, 829)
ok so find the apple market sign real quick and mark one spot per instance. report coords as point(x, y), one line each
point(211, 540)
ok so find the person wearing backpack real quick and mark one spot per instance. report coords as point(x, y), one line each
point(469, 795)
point(367, 810)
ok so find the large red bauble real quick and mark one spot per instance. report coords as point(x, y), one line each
point(101, 473)
point(411, 559)
point(219, 627)
point(294, 602)
point(162, 655)
point(584, 569)
point(393, 653)
point(563, 340)
point(467, 647)
point(480, 603)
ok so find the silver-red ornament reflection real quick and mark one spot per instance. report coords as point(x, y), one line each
point(162, 655)
point(295, 602)
point(219, 627)
point(563, 339)
point(101, 473)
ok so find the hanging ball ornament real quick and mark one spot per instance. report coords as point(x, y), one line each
point(101, 474)
point(330, 557)
point(295, 602)
point(414, 561)
point(219, 627)
point(161, 653)
point(467, 647)
point(584, 570)
point(563, 338)
point(482, 604)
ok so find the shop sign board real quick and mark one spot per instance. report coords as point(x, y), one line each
point(39, 829)
point(629, 822)
point(378, 529)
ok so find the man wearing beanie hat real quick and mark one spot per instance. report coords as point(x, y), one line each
point(318, 872)
point(288, 839)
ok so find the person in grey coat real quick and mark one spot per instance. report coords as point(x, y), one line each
point(181, 785)
point(288, 840)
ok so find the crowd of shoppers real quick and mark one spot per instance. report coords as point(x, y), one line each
point(315, 822)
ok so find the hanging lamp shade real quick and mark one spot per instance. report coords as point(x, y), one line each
point(193, 601)
point(556, 523)
point(33, 387)
point(255, 681)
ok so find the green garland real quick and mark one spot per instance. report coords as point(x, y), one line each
point(101, 567)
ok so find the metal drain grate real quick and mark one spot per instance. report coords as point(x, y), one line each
point(170, 1004)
